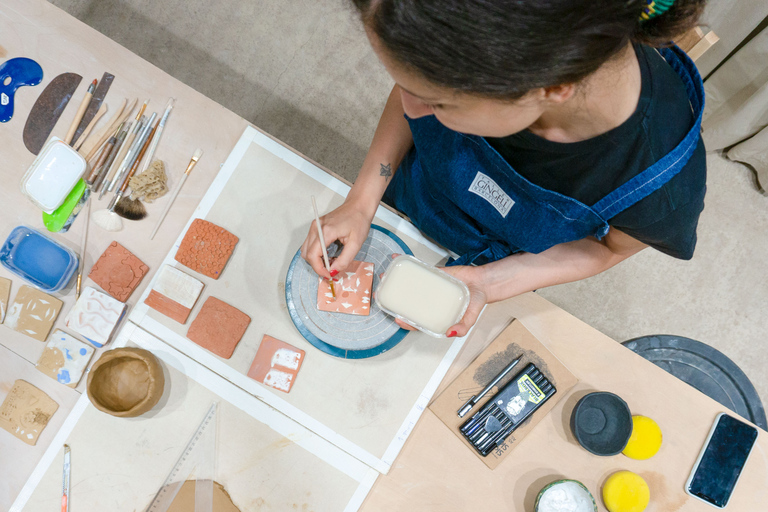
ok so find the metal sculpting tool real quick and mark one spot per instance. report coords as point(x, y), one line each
point(469, 404)
point(158, 134)
point(199, 456)
point(322, 244)
point(66, 479)
point(192, 163)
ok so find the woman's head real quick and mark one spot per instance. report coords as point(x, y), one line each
point(505, 48)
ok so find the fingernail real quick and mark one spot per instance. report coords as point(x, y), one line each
point(334, 272)
point(335, 280)
point(452, 334)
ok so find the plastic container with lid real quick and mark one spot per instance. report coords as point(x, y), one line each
point(52, 175)
point(36, 258)
point(422, 296)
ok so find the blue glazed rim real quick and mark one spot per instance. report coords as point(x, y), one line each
point(330, 349)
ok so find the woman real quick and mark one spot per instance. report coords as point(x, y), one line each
point(542, 141)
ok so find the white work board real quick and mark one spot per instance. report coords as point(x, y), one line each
point(264, 460)
point(367, 407)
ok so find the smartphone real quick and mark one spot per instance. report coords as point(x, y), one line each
point(720, 462)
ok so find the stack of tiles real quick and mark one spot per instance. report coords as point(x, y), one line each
point(276, 364)
point(174, 293)
point(218, 327)
point(353, 291)
point(33, 313)
point(95, 316)
point(118, 272)
point(64, 358)
point(26, 411)
point(206, 248)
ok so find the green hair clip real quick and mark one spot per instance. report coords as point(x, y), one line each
point(655, 8)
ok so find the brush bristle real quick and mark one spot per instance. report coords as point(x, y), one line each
point(107, 220)
point(131, 209)
point(198, 154)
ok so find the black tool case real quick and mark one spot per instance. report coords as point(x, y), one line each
point(507, 409)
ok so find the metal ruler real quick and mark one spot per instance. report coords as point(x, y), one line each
point(198, 457)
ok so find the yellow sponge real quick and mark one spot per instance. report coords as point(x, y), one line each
point(645, 440)
point(625, 491)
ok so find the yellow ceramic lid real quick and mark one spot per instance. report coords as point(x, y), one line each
point(625, 491)
point(645, 440)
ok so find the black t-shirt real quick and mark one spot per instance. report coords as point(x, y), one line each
point(589, 170)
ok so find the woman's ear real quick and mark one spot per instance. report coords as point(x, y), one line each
point(559, 93)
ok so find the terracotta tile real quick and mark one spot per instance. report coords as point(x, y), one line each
point(33, 313)
point(118, 272)
point(95, 316)
point(64, 358)
point(5, 296)
point(206, 248)
point(218, 327)
point(276, 364)
point(26, 411)
point(353, 291)
point(174, 293)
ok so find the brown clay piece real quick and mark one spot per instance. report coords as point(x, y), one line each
point(206, 248)
point(353, 291)
point(276, 364)
point(118, 272)
point(26, 411)
point(174, 293)
point(185, 499)
point(218, 327)
point(126, 382)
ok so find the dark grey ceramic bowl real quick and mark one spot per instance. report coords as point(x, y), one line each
point(602, 423)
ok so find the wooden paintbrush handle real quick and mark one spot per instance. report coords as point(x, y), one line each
point(106, 150)
point(78, 117)
point(136, 162)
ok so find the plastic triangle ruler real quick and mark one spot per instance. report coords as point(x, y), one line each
point(198, 457)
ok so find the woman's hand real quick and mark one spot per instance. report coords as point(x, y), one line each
point(471, 276)
point(347, 224)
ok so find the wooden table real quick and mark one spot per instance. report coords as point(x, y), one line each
point(434, 471)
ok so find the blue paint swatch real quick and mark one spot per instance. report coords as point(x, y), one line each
point(38, 259)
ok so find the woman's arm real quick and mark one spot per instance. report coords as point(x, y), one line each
point(351, 221)
point(525, 272)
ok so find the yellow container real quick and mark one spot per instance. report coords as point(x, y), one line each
point(625, 491)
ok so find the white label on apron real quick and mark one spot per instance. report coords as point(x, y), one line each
point(486, 188)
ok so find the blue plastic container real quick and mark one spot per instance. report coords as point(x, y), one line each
point(38, 259)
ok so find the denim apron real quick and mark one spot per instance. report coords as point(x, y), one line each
point(462, 193)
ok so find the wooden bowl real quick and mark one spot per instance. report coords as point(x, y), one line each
point(126, 382)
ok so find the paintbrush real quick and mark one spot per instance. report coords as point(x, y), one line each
point(125, 147)
point(134, 145)
point(127, 208)
point(192, 163)
point(65, 483)
point(322, 244)
point(157, 134)
point(122, 131)
point(106, 150)
point(80, 112)
point(121, 148)
point(89, 148)
point(83, 244)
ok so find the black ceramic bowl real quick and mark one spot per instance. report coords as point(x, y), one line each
point(602, 423)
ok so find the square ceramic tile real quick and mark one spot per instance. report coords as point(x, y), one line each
point(95, 316)
point(5, 296)
point(26, 411)
point(33, 313)
point(353, 291)
point(174, 293)
point(218, 327)
point(118, 272)
point(206, 248)
point(64, 358)
point(276, 364)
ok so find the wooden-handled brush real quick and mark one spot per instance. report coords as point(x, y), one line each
point(192, 163)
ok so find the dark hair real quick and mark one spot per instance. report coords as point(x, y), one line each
point(505, 48)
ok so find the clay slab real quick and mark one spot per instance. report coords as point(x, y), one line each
point(118, 272)
point(95, 316)
point(33, 313)
point(174, 293)
point(218, 327)
point(353, 291)
point(26, 411)
point(64, 358)
point(5, 296)
point(206, 248)
point(276, 364)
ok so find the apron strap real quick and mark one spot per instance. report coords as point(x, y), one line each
point(654, 177)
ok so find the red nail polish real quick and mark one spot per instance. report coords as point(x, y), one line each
point(452, 334)
point(334, 272)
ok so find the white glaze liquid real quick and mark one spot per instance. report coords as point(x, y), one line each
point(422, 295)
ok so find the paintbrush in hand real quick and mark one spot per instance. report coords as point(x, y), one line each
point(322, 244)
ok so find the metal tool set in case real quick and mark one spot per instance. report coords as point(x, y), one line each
point(503, 413)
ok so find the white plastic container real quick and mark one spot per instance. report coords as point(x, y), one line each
point(52, 175)
point(422, 296)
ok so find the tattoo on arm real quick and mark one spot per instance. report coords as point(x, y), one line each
point(386, 171)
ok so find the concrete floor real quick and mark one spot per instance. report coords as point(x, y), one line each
point(303, 71)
